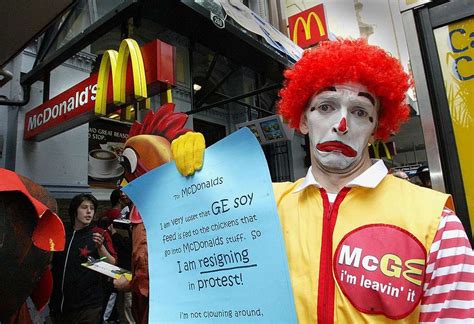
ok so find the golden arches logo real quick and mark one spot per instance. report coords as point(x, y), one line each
point(116, 63)
point(307, 26)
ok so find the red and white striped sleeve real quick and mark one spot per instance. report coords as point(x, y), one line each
point(448, 294)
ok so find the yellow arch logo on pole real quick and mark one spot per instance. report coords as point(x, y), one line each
point(307, 26)
point(115, 63)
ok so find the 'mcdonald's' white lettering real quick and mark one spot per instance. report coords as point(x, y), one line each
point(78, 100)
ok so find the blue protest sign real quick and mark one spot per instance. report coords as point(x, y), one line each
point(215, 247)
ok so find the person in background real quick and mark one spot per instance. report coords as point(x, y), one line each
point(127, 205)
point(139, 286)
point(117, 205)
point(118, 210)
point(104, 226)
point(362, 246)
point(399, 174)
point(77, 292)
point(122, 241)
point(423, 174)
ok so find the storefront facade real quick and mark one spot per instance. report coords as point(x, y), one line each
point(227, 73)
point(223, 76)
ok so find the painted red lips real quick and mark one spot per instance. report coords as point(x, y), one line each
point(336, 146)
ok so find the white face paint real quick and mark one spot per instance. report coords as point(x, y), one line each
point(340, 121)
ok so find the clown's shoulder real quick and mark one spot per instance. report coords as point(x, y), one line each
point(414, 194)
point(405, 192)
point(282, 189)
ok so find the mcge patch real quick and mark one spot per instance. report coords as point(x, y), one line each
point(380, 268)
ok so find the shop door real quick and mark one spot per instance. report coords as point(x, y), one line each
point(212, 132)
point(446, 34)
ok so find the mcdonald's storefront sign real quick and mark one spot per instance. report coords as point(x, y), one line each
point(308, 27)
point(131, 74)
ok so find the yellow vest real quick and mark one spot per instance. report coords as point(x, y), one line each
point(380, 240)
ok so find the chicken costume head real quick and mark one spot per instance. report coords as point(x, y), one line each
point(149, 144)
point(157, 141)
point(29, 232)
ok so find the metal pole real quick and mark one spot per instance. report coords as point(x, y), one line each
point(232, 99)
point(211, 91)
point(268, 112)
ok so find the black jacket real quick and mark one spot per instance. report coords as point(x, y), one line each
point(123, 247)
point(76, 287)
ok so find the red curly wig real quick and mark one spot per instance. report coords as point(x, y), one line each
point(342, 61)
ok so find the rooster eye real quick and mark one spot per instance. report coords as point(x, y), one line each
point(130, 159)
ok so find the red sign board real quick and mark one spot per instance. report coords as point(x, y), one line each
point(75, 106)
point(308, 27)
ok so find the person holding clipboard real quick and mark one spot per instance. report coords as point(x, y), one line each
point(77, 292)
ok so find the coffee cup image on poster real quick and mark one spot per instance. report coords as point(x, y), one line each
point(106, 142)
point(104, 165)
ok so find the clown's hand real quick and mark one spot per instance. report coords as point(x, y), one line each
point(188, 152)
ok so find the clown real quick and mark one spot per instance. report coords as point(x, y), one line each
point(362, 245)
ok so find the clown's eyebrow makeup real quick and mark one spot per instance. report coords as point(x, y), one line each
point(326, 89)
point(368, 96)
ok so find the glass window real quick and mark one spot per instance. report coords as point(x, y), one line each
point(456, 56)
point(80, 16)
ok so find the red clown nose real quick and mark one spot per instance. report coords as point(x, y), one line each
point(342, 125)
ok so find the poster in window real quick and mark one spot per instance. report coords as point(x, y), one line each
point(106, 142)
